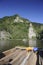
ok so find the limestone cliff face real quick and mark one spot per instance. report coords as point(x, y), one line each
point(31, 33)
point(17, 19)
point(4, 35)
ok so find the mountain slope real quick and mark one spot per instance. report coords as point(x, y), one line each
point(17, 27)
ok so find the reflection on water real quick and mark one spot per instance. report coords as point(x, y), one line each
point(2, 42)
point(32, 43)
point(36, 43)
point(7, 44)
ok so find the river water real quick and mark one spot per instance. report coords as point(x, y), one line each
point(8, 44)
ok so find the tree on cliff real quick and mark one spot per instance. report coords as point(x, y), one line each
point(40, 35)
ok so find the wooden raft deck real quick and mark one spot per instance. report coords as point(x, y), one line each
point(18, 56)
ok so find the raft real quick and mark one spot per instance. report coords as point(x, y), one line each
point(13, 55)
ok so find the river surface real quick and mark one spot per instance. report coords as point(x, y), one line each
point(8, 44)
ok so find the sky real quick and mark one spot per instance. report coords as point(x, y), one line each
point(30, 9)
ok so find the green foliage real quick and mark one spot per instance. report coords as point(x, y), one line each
point(17, 30)
point(41, 34)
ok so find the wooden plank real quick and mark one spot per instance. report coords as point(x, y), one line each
point(9, 51)
point(19, 58)
point(10, 56)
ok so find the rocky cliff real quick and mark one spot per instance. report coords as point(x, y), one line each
point(16, 27)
